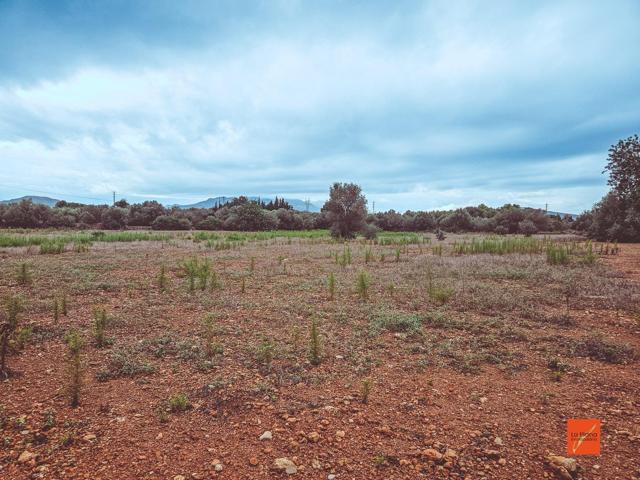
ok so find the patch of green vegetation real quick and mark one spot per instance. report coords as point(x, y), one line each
point(395, 321)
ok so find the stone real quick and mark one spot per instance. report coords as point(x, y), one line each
point(253, 461)
point(179, 477)
point(502, 461)
point(314, 437)
point(432, 454)
point(26, 456)
point(90, 437)
point(266, 435)
point(285, 464)
point(498, 441)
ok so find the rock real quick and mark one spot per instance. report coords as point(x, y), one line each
point(570, 464)
point(340, 434)
point(562, 466)
point(285, 464)
point(218, 467)
point(266, 435)
point(314, 437)
point(432, 454)
point(253, 461)
point(89, 437)
point(498, 441)
point(331, 476)
point(502, 461)
point(492, 453)
point(450, 454)
point(26, 456)
point(179, 477)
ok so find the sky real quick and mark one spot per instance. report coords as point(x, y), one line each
point(426, 105)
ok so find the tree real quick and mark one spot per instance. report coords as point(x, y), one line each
point(617, 215)
point(346, 209)
point(114, 218)
point(624, 168)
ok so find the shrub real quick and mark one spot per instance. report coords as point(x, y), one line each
point(24, 275)
point(314, 343)
point(440, 295)
point(331, 284)
point(265, 353)
point(169, 222)
point(527, 228)
point(179, 402)
point(75, 344)
point(162, 279)
point(366, 390)
point(99, 326)
point(362, 285)
point(370, 231)
point(8, 329)
point(557, 255)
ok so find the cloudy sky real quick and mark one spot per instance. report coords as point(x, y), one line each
point(424, 104)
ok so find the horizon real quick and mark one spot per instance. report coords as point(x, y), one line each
point(425, 105)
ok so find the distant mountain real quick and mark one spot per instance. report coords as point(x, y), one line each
point(296, 203)
point(41, 200)
point(562, 215)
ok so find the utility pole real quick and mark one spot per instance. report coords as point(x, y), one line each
point(546, 208)
point(307, 202)
point(114, 199)
point(374, 207)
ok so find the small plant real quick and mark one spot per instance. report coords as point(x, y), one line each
point(211, 347)
point(162, 279)
point(368, 256)
point(557, 255)
point(214, 283)
point(8, 329)
point(24, 275)
point(56, 310)
point(63, 304)
point(179, 402)
point(331, 284)
point(74, 344)
point(365, 390)
point(243, 285)
point(252, 264)
point(397, 255)
point(440, 295)
point(314, 343)
point(265, 353)
point(99, 326)
point(362, 285)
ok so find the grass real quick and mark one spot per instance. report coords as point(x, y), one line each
point(100, 320)
point(331, 285)
point(56, 238)
point(365, 390)
point(24, 275)
point(8, 328)
point(395, 321)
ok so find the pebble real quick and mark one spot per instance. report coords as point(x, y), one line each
point(26, 456)
point(266, 435)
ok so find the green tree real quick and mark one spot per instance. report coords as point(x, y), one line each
point(346, 209)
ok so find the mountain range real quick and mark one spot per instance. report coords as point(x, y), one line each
point(296, 203)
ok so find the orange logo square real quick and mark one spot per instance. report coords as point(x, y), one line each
point(583, 436)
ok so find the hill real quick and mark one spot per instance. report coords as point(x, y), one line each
point(296, 203)
point(40, 200)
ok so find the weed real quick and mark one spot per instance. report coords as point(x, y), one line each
point(397, 255)
point(368, 256)
point(266, 353)
point(439, 294)
point(243, 285)
point(63, 304)
point(557, 255)
point(56, 310)
point(211, 347)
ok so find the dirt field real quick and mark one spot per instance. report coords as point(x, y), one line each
point(437, 366)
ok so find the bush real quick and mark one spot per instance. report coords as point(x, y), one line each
point(527, 228)
point(370, 231)
point(209, 223)
point(169, 222)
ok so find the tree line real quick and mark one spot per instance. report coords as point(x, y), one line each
point(248, 215)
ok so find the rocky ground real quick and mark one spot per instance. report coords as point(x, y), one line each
point(451, 366)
